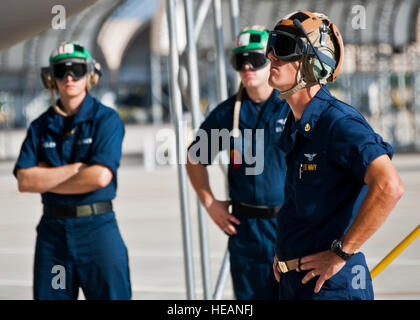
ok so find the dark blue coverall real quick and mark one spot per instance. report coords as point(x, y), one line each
point(328, 152)
point(252, 248)
point(89, 249)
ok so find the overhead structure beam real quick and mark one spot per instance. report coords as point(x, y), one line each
point(22, 19)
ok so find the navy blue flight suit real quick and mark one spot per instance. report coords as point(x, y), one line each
point(90, 250)
point(328, 152)
point(252, 248)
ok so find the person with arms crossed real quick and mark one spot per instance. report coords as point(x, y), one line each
point(341, 184)
point(256, 188)
point(70, 156)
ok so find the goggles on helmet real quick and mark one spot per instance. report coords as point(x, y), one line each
point(256, 60)
point(286, 46)
point(76, 69)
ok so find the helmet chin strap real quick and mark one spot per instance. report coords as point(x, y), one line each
point(304, 78)
point(301, 83)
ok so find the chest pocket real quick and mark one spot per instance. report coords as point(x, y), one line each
point(81, 148)
point(81, 142)
point(50, 150)
point(311, 167)
point(273, 131)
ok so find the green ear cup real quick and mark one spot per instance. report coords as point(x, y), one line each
point(318, 67)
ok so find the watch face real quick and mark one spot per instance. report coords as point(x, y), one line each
point(336, 243)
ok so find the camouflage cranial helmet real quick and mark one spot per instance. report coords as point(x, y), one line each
point(288, 42)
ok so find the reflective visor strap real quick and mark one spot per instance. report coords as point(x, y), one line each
point(272, 39)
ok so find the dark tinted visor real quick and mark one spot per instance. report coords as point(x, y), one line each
point(76, 69)
point(285, 46)
point(256, 60)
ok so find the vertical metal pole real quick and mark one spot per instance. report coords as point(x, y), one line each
point(194, 92)
point(221, 96)
point(222, 93)
point(220, 53)
point(416, 87)
point(234, 18)
point(156, 86)
point(234, 15)
point(201, 17)
point(221, 280)
point(182, 175)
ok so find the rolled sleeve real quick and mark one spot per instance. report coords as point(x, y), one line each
point(107, 142)
point(354, 145)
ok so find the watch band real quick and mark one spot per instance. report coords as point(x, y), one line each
point(337, 248)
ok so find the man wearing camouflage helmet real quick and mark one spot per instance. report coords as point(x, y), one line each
point(256, 197)
point(341, 184)
point(70, 156)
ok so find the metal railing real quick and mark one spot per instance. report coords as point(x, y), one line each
point(395, 252)
point(193, 28)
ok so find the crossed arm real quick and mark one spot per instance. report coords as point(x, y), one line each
point(74, 178)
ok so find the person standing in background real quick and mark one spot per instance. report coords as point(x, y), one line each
point(256, 190)
point(70, 156)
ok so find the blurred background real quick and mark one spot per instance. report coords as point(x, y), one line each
point(380, 76)
point(380, 73)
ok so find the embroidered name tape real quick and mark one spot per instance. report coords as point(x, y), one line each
point(85, 141)
point(280, 124)
point(49, 144)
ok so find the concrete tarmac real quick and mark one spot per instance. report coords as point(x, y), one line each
point(148, 213)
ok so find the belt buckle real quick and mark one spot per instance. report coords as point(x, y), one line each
point(84, 211)
point(283, 266)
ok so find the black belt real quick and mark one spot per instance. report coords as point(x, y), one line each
point(77, 211)
point(253, 211)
